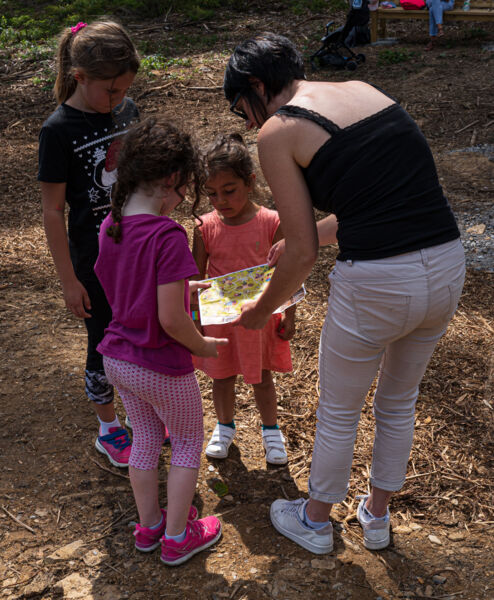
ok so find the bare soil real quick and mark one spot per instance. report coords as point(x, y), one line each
point(56, 489)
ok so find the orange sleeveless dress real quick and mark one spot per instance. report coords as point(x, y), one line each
point(231, 248)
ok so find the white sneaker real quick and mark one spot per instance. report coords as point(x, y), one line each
point(128, 424)
point(220, 441)
point(287, 518)
point(274, 444)
point(376, 530)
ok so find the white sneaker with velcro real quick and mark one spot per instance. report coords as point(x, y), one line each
point(220, 441)
point(274, 444)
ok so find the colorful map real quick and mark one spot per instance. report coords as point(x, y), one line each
point(223, 301)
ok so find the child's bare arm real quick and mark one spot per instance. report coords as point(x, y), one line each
point(199, 253)
point(178, 324)
point(201, 257)
point(53, 203)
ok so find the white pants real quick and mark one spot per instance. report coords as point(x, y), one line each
point(385, 314)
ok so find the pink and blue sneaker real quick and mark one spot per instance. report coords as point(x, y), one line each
point(148, 538)
point(116, 445)
point(199, 535)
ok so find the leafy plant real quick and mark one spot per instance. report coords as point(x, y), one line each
point(393, 56)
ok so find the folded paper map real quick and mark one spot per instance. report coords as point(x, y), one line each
point(222, 302)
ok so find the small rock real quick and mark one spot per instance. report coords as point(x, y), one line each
point(228, 498)
point(435, 540)
point(41, 512)
point(477, 229)
point(351, 546)
point(38, 585)
point(72, 550)
point(429, 590)
point(457, 536)
point(94, 557)
point(415, 526)
point(440, 579)
point(211, 468)
point(317, 563)
point(253, 571)
point(74, 586)
point(403, 529)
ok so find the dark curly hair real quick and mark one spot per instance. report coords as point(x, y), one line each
point(229, 152)
point(269, 57)
point(151, 150)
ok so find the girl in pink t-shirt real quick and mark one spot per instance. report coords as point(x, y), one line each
point(144, 265)
point(239, 234)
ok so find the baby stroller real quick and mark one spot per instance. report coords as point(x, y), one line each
point(335, 50)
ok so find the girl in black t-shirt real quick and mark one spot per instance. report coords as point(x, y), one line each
point(77, 156)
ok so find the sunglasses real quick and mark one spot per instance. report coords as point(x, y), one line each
point(238, 112)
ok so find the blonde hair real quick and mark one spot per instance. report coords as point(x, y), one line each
point(102, 50)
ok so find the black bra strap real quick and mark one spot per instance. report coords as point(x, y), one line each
point(297, 111)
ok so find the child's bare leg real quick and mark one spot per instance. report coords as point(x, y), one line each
point(145, 488)
point(265, 396)
point(106, 412)
point(224, 404)
point(180, 490)
point(272, 438)
point(224, 398)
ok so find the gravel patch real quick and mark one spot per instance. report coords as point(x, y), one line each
point(477, 234)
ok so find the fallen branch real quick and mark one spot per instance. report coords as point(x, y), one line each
point(467, 126)
point(107, 470)
point(154, 89)
point(11, 585)
point(420, 475)
point(18, 521)
point(203, 89)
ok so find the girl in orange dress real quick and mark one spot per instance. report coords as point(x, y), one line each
point(236, 235)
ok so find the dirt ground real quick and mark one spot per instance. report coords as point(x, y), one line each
point(57, 490)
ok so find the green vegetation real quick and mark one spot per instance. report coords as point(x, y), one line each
point(29, 29)
point(392, 56)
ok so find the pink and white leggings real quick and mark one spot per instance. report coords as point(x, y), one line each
point(152, 399)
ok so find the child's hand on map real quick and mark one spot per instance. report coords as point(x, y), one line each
point(286, 326)
point(195, 286)
point(275, 252)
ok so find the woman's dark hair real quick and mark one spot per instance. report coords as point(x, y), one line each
point(152, 150)
point(229, 152)
point(271, 58)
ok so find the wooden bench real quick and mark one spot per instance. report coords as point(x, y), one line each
point(480, 10)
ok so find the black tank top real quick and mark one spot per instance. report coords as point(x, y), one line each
point(379, 179)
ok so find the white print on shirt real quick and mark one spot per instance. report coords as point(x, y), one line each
point(100, 167)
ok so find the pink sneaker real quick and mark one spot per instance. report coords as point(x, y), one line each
point(200, 535)
point(148, 539)
point(116, 445)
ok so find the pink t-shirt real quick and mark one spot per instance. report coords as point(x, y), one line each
point(153, 251)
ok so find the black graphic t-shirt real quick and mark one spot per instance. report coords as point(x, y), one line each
point(80, 149)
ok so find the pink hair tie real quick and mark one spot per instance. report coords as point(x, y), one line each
point(75, 29)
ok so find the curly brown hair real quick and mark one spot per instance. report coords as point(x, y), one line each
point(229, 152)
point(151, 150)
